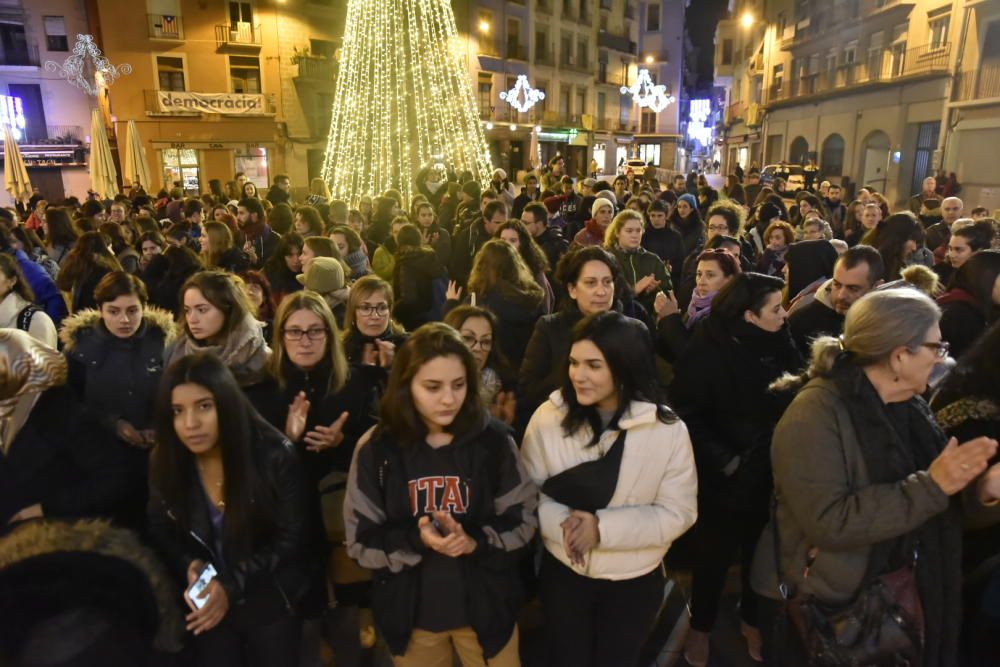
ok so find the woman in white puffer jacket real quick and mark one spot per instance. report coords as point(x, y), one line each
point(618, 486)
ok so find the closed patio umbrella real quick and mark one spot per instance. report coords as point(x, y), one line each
point(103, 174)
point(15, 174)
point(135, 169)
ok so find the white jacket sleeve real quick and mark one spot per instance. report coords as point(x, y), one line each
point(551, 514)
point(672, 512)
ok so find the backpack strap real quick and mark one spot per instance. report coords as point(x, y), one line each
point(24, 317)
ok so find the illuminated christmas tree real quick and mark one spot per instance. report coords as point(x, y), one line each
point(403, 100)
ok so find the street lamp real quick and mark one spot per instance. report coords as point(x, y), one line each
point(649, 59)
point(747, 19)
point(484, 26)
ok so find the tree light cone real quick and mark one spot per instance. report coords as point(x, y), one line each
point(403, 101)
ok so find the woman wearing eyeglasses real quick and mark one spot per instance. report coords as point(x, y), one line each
point(864, 479)
point(371, 336)
point(323, 406)
point(479, 329)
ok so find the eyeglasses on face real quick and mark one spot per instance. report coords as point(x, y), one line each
point(368, 310)
point(296, 334)
point(483, 343)
point(940, 348)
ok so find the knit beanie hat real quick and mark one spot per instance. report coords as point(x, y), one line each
point(324, 275)
point(472, 189)
point(553, 203)
point(689, 198)
point(600, 203)
point(767, 212)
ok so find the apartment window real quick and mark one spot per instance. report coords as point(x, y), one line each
point(240, 12)
point(851, 53)
point(626, 110)
point(581, 102)
point(564, 94)
point(14, 45)
point(653, 17)
point(582, 55)
point(244, 71)
point(170, 73)
point(485, 94)
point(647, 122)
point(584, 14)
point(727, 52)
point(543, 87)
point(322, 48)
point(514, 39)
point(604, 22)
point(542, 45)
point(937, 27)
point(485, 36)
point(567, 8)
point(55, 33)
point(607, 4)
point(602, 103)
point(778, 76)
point(566, 50)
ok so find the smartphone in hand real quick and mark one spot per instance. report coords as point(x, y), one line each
point(200, 584)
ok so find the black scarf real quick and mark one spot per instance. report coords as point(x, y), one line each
point(896, 441)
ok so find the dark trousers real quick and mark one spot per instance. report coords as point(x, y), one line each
point(596, 622)
point(719, 534)
point(233, 644)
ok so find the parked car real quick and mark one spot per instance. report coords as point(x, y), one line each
point(637, 166)
point(795, 180)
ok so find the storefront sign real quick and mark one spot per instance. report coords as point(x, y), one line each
point(220, 103)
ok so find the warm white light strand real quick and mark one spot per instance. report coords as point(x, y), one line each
point(403, 98)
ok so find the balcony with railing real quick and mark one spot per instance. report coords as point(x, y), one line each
point(828, 22)
point(735, 112)
point(892, 67)
point(516, 51)
point(977, 84)
point(611, 77)
point(156, 103)
point(165, 26)
point(314, 69)
point(24, 55)
point(609, 40)
point(238, 35)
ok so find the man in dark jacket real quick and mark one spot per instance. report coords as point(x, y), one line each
point(536, 219)
point(663, 240)
point(939, 233)
point(928, 191)
point(857, 272)
point(529, 194)
point(279, 192)
point(261, 239)
point(836, 211)
point(468, 241)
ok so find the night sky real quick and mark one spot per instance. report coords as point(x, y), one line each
point(702, 17)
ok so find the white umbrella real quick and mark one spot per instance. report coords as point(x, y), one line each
point(103, 175)
point(135, 169)
point(15, 174)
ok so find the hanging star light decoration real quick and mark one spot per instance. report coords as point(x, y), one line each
point(87, 68)
point(531, 95)
point(403, 100)
point(647, 94)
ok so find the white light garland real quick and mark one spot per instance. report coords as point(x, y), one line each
point(403, 100)
point(531, 95)
point(12, 115)
point(87, 57)
point(647, 94)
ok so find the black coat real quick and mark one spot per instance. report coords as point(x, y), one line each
point(62, 460)
point(667, 244)
point(720, 389)
point(812, 321)
point(464, 246)
point(413, 276)
point(554, 246)
point(962, 320)
point(516, 313)
point(268, 581)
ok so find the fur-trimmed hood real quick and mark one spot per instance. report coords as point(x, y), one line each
point(74, 326)
point(36, 549)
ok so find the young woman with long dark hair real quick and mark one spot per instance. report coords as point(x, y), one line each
point(618, 486)
point(439, 507)
point(282, 267)
point(90, 260)
point(227, 490)
point(972, 301)
point(218, 318)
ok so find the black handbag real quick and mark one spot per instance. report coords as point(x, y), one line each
point(883, 625)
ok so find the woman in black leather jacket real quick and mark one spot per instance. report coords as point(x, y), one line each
point(226, 488)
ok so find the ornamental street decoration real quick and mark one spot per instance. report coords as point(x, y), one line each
point(87, 68)
point(531, 95)
point(647, 94)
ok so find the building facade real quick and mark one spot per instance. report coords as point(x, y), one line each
point(580, 53)
point(858, 86)
point(224, 86)
point(56, 115)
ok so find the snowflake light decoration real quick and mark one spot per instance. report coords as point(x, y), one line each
point(531, 95)
point(647, 94)
point(86, 65)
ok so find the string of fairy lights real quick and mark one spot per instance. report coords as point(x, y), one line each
point(403, 99)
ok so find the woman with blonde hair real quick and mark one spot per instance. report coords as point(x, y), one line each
point(643, 270)
point(319, 192)
point(218, 250)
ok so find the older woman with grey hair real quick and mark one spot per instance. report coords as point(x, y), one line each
point(864, 482)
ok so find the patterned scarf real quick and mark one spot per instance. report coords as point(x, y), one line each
point(699, 307)
point(27, 368)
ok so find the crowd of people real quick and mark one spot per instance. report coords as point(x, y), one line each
point(313, 430)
